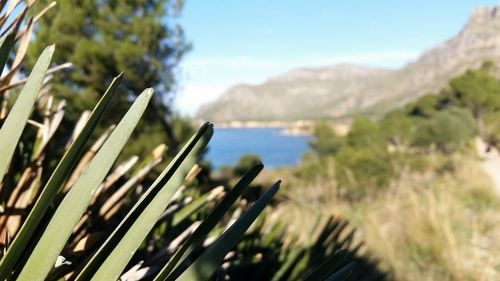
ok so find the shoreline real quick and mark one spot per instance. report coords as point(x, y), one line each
point(289, 128)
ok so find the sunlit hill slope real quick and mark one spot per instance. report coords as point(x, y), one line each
point(345, 90)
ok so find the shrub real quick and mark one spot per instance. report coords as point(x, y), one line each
point(448, 129)
point(245, 162)
point(398, 127)
point(313, 166)
point(326, 141)
point(365, 133)
point(363, 169)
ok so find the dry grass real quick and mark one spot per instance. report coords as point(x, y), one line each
point(431, 226)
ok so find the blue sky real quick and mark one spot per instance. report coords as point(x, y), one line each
point(250, 41)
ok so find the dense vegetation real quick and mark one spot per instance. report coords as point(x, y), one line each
point(411, 180)
point(69, 213)
point(407, 180)
point(373, 152)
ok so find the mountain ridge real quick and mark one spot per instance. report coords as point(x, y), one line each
point(344, 90)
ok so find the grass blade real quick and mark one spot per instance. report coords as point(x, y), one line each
point(55, 183)
point(210, 222)
point(115, 253)
point(203, 267)
point(11, 131)
point(75, 202)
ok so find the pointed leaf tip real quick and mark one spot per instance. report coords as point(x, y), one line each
point(149, 92)
point(50, 48)
point(205, 127)
point(259, 166)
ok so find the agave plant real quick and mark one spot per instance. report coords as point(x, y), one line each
point(68, 212)
point(37, 245)
point(34, 253)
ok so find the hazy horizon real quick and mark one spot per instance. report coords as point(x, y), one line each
point(228, 38)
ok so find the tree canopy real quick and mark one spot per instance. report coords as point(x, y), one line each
point(102, 39)
point(447, 129)
point(477, 90)
point(326, 141)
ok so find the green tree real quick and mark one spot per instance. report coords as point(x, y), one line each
point(425, 106)
point(448, 129)
point(363, 133)
point(326, 141)
point(364, 162)
point(398, 127)
point(102, 38)
point(477, 90)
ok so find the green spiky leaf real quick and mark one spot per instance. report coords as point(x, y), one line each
point(54, 184)
point(74, 204)
point(115, 253)
point(210, 222)
point(203, 267)
point(11, 131)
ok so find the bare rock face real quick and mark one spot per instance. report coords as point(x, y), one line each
point(347, 90)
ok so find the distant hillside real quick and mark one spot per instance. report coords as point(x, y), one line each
point(345, 90)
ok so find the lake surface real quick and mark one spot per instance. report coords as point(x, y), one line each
point(274, 148)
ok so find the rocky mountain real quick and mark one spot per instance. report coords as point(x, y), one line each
point(345, 90)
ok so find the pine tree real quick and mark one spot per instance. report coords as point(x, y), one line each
point(102, 38)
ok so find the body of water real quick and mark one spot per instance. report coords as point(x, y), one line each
point(274, 148)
